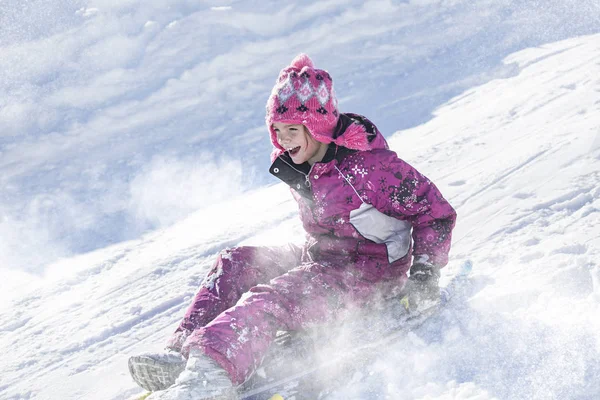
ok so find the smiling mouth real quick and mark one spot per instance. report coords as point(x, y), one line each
point(294, 150)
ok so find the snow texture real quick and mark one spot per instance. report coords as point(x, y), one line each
point(133, 149)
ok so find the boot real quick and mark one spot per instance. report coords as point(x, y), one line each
point(156, 371)
point(202, 379)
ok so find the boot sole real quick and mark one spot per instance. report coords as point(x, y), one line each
point(152, 374)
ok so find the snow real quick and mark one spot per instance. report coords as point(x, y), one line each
point(133, 149)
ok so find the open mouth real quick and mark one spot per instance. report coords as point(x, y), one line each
point(294, 150)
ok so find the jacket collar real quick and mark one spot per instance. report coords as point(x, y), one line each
point(296, 175)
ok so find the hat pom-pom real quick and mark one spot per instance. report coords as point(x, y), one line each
point(302, 60)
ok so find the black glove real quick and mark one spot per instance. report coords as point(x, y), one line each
point(422, 286)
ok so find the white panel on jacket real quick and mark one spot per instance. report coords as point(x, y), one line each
point(380, 228)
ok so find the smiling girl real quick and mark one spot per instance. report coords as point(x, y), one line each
point(298, 143)
point(370, 218)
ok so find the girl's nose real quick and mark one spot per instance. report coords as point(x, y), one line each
point(283, 139)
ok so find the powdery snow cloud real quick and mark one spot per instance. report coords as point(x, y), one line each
point(169, 189)
point(90, 98)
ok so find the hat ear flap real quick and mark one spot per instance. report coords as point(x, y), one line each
point(276, 153)
point(353, 139)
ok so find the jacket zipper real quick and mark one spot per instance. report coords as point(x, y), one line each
point(305, 175)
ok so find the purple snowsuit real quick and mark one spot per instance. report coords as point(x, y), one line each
point(366, 214)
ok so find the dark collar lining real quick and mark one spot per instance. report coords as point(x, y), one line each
point(338, 153)
point(296, 175)
point(330, 153)
point(303, 168)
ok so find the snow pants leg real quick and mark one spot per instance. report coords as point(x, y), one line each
point(235, 271)
point(312, 293)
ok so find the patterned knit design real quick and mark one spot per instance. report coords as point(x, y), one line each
point(304, 95)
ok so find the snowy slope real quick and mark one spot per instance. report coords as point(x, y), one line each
point(104, 101)
point(109, 110)
point(519, 158)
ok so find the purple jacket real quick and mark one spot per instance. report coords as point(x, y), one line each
point(364, 213)
point(368, 201)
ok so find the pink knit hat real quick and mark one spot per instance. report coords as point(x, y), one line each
point(303, 95)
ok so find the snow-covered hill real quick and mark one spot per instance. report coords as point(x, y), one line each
point(520, 160)
point(103, 101)
point(513, 144)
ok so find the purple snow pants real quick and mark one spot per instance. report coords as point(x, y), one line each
point(252, 292)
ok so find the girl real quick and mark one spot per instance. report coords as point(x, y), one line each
point(369, 218)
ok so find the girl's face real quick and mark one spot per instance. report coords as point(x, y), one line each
point(299, 144)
